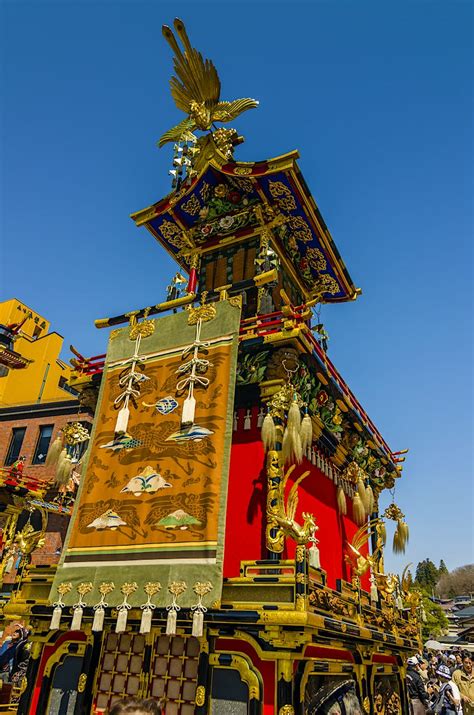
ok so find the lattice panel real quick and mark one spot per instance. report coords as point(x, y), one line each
point(120, 669)
point(173, 673)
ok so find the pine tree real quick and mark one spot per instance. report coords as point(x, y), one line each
point(443, 569)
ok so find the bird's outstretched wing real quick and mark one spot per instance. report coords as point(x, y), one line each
point(292, 501)
point(197, 79)
point(228, 111)
point(181, 132)
point(406, 580)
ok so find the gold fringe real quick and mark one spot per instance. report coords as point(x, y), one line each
point(285, 446)
point(341, 501)
point(358, 510)
point(268, 432)
point(296, 448)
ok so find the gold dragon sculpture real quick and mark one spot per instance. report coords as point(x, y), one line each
point(196, 90)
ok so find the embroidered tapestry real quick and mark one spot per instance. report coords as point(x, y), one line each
point(152, 502)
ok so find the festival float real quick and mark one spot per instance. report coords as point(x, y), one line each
point(226, 546)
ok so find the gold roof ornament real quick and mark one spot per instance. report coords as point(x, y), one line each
point(196, 90)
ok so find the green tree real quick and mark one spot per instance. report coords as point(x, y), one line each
point(436, 623)
point(426, 575)
point(443, 569)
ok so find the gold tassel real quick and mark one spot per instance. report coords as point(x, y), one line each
point(62, 457)
point(405, 531)
point(294, 416)
point(306, 432)
point(358, 510)
point(361, 491)
point(399, 539)
point(63, 472)
point(54, 451)
point(295, 446)
point(121, 624)
point(369, 499)
point(341, 501)
point(268, 432)
point(383, 532)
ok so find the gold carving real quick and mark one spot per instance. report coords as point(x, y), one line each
point(286, 710)
point(81, 685)
point(283, 195)
point(145, 328)
point(204, 313)
point(242, 171)
point(200, 696)
point(316, 259)
point(191, 206)
point(301, 230)
point(327, 284)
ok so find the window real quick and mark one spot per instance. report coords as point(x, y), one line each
point(16, 441)
point(42, 445)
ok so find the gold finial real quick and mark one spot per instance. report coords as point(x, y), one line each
point(196, 90)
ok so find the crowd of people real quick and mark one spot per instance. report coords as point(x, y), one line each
point(441, 683)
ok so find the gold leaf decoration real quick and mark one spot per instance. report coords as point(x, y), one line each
point(128, 588)
point(201, 589)
point(283, 195)
point(192, 206)
point(152, 587)
point(316, 259)
point(302, 231)
point(177, 588)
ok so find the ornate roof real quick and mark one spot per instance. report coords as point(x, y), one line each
point(231, 201)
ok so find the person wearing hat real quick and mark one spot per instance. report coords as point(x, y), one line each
point(451, 663)
point(448, 699)
point(417, 694)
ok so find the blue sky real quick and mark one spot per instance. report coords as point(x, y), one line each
point(377, 97)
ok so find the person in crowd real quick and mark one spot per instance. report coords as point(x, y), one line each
point(448, 700)
point(464, 679)
point(458, 660)
point(16, 655)
point(132, 706)
point(423, 669)
point(451, 663)
point(417, 694)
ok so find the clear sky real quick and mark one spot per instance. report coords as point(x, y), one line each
point(376, 96)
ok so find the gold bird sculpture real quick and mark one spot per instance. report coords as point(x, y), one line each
point(360, 563)
point(196, 90)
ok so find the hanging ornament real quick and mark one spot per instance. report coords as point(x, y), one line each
point(358, 509)
point(369, 499)
point(313, 551)
point(54, 450)
point(63, 588)
point(399, 602)
point(196, 366)
point(374, 595)
point(401, 535)
point(198, 610)
point(150, 588)
point(99, 609)
point(306, 431)
point(341, 501)
point(131, 379)
point(361, 491)
point(127, 590)
point(78, 608)
point(268, 432)
point(176, 588)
